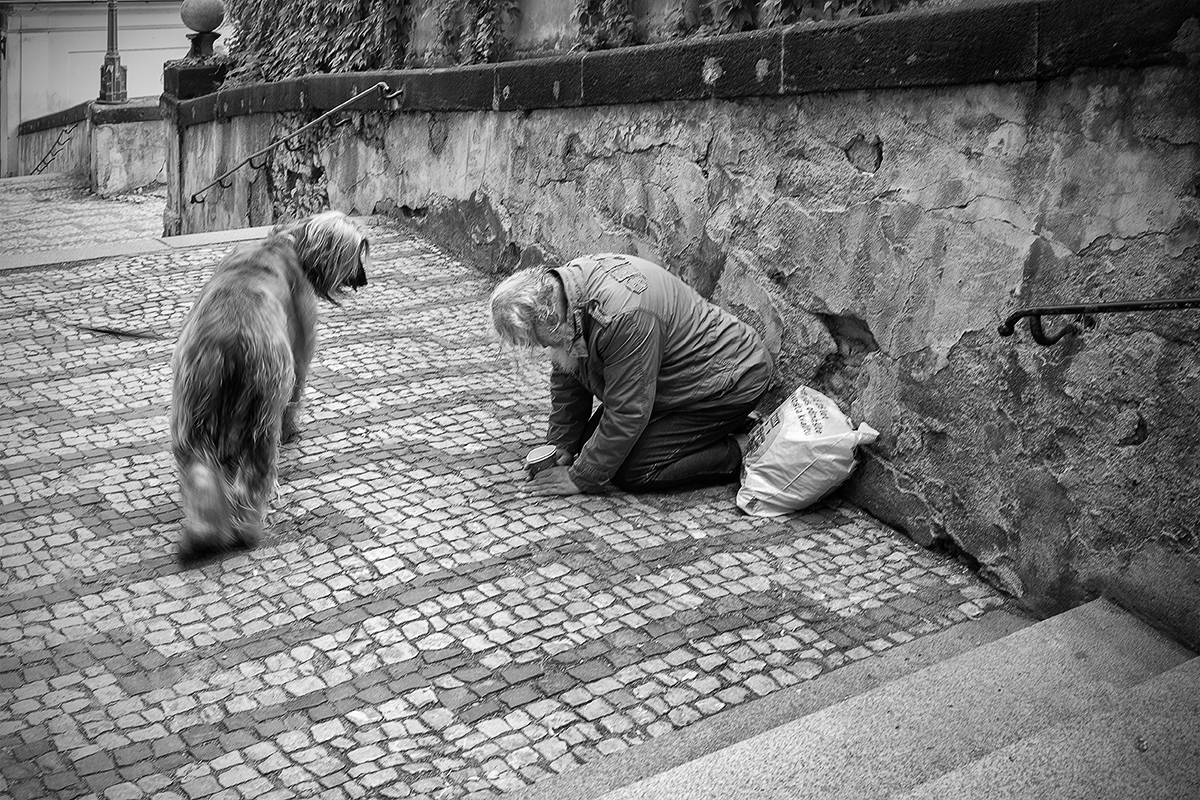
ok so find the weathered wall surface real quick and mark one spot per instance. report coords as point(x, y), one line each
point(878, 238)
point(212, 150)
point(126, 156)
point(118, 147)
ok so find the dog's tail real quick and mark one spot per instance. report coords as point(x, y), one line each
point(208, 513)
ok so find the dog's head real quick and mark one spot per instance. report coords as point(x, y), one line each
point(333, 252)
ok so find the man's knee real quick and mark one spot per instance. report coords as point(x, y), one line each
point(632, 476)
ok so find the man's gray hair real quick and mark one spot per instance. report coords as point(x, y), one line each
point(520, 302)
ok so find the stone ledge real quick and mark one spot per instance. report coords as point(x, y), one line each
point(1014, 40)
point(58, 119)
point(136, 109)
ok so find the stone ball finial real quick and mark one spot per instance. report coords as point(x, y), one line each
point(202, 16)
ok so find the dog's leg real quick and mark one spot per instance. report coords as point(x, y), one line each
point(304, 343)
point(258, 468)
point(291, 428)
point(252, 488)
point(207, 524)
point(207, 519)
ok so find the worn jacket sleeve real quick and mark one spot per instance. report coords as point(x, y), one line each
point(630, 348)
point(570, 407)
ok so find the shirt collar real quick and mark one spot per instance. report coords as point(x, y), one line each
point(572, 281)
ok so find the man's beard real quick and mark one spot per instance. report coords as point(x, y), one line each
point(563, 360)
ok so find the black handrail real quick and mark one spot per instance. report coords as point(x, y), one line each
point(380, 87)
point(1084, 312)
point(64, 136)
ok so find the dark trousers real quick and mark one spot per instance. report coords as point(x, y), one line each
point(688, 448)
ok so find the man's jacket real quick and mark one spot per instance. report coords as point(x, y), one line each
point(647, 344)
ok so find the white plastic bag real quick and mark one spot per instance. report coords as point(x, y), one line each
point(798, 454)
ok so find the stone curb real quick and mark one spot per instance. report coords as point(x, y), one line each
point(11, 261)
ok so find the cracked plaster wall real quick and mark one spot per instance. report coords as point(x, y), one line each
point(877, 239)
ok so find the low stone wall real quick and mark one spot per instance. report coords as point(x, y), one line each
point(63, 141)
point(876, 198)
point(118, 147)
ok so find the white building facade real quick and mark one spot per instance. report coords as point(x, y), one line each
point(53, 50)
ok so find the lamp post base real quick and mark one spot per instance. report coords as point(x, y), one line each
point(112, 81)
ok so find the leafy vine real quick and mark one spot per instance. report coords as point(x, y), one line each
point(605, 24)
point(272, 41)
point(715, 17)
point(476, 31)
point(787, 12)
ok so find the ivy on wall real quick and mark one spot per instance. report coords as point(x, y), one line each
point(787, 12)
point(273, 41)
point(713, 17)
point(605, 23)
point(476, 31)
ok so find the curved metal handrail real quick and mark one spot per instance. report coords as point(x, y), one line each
point(380, 87)
point(1085, 311)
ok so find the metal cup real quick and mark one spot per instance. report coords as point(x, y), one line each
point(540, 458)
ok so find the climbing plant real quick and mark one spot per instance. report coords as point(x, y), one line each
point(476, 31)
point(714, 17)
point(787, 12)
point(726, 16)
point(604, 24)
point(272, 41)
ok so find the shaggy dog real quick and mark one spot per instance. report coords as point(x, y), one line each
point(239, 370)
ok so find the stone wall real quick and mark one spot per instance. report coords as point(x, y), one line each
point(878, 232)
point(127, 155)
point(118, 147)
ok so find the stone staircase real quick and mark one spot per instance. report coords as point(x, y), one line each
point(1092, 703)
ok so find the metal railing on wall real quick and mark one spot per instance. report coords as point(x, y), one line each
point(1084, 313)
point(64, 136)
point(381, 87)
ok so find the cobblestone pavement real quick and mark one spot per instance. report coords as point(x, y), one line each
point(49, 212)
point(412, 625)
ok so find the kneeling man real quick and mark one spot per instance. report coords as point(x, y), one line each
point(676, 376)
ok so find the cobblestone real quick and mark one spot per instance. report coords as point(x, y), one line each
point(52, 212)
point(412, 624)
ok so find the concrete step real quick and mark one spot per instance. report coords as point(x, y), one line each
point(932, 722)
point(1145, 745)
point(750, 719)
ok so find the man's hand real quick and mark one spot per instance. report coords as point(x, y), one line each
point(552, 482)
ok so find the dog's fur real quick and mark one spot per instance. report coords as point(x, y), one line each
point(239, 371)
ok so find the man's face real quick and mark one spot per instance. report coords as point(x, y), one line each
point(553, 336)
point(556, 340)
